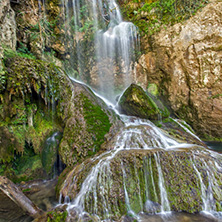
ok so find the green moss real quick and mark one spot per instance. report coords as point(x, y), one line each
point(28, 101)
point(9, 53)
point(153, 89)
point(136, 102)
point(207, 137)
point(151, 16)
point(26, 190)
point(57, 216)
point(98, 123)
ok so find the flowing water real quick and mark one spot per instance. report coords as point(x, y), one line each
point(143, 135)
point(112, 54)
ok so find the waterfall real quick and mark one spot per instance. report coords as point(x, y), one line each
point(107, 65)
point(165, 206)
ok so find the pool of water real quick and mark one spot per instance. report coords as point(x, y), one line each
point(215, 146)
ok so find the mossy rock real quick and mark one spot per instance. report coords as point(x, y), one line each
point(132, 177)
point(136, 102)
point(89, 125)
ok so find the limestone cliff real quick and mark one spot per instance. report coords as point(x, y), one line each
point(184, 60)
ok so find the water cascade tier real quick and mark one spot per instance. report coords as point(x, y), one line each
point(144, 172)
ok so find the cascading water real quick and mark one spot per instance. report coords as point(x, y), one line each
point(97, 184)
point(111, 57)
point(115, 47)
point(142, 188)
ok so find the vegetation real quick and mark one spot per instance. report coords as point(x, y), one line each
point(27, 117)
point(97, 121)
point(57, 216)
point(150, 16)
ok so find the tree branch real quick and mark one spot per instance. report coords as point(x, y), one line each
point(16, 195)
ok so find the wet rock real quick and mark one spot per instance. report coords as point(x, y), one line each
point(152, 207)
point(133, 178)
point(50, 152)
point(90, 124)
point(136, 102)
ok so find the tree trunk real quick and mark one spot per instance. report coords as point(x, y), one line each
point(16, 195)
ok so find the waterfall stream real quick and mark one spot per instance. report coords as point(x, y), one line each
point(146, 185)
point(112, 54)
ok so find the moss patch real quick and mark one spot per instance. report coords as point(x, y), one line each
point(97, 120)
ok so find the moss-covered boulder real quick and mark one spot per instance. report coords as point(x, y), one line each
point(145, 171)
point(176, 180)
point(136, 102)
point(38, 99)
point(89, 124)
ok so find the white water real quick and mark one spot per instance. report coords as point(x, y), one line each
point(183, 125)
point(112, 55)
point(165, 206)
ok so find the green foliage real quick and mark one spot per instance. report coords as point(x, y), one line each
point(9, 53)
point(57, 216)
point(151, 16)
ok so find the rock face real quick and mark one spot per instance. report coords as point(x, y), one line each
point(185, 62)
point(7, 25)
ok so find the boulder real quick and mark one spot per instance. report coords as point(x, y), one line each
point(144, 171)
point(136, 102)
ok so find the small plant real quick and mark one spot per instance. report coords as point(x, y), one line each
point(150, 16)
